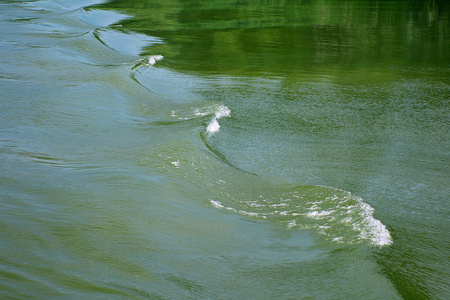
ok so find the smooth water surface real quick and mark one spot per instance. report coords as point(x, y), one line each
point(224, 149)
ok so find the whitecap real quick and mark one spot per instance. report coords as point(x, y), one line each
point(334, 213)
point(175, 163)
point(147, 61)
point(214, 125)
point(372, 228)
point(151, 60)
point(319, 214)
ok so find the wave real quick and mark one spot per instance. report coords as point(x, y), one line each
point(213, 125)
point(336, 214)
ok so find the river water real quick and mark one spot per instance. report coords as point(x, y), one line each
point(224, 149)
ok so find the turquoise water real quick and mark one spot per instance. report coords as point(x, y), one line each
point(224, 149)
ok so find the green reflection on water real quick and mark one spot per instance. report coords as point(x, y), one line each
point(292, 37)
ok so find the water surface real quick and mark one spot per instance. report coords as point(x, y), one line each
point(224, 149)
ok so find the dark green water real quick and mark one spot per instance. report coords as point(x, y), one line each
point(224, 149)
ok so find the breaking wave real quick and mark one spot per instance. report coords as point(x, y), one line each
point(213, 125)
point(336, 214)
point(333, 213)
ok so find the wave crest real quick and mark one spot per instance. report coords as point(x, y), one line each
point(213, 126)
point(333, 213)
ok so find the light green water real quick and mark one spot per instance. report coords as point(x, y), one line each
point(277, 150)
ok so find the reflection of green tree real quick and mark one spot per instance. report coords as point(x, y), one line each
point(230, 36)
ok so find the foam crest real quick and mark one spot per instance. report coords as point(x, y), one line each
point(336, 214)
point(213, 125)
point(217, 110)
point(151, 60)
point(147, 61)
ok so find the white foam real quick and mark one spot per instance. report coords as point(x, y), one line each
point(373, 229)
point(359, 215)
point(336, 214)
point(198, 112)
point(337, 239)
point(319, 214)
point(151, 60)
point(220, 205)
point(223, 111)
point(213, 126)
point(216, 204)
point(291, 224)
point(242, 212)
